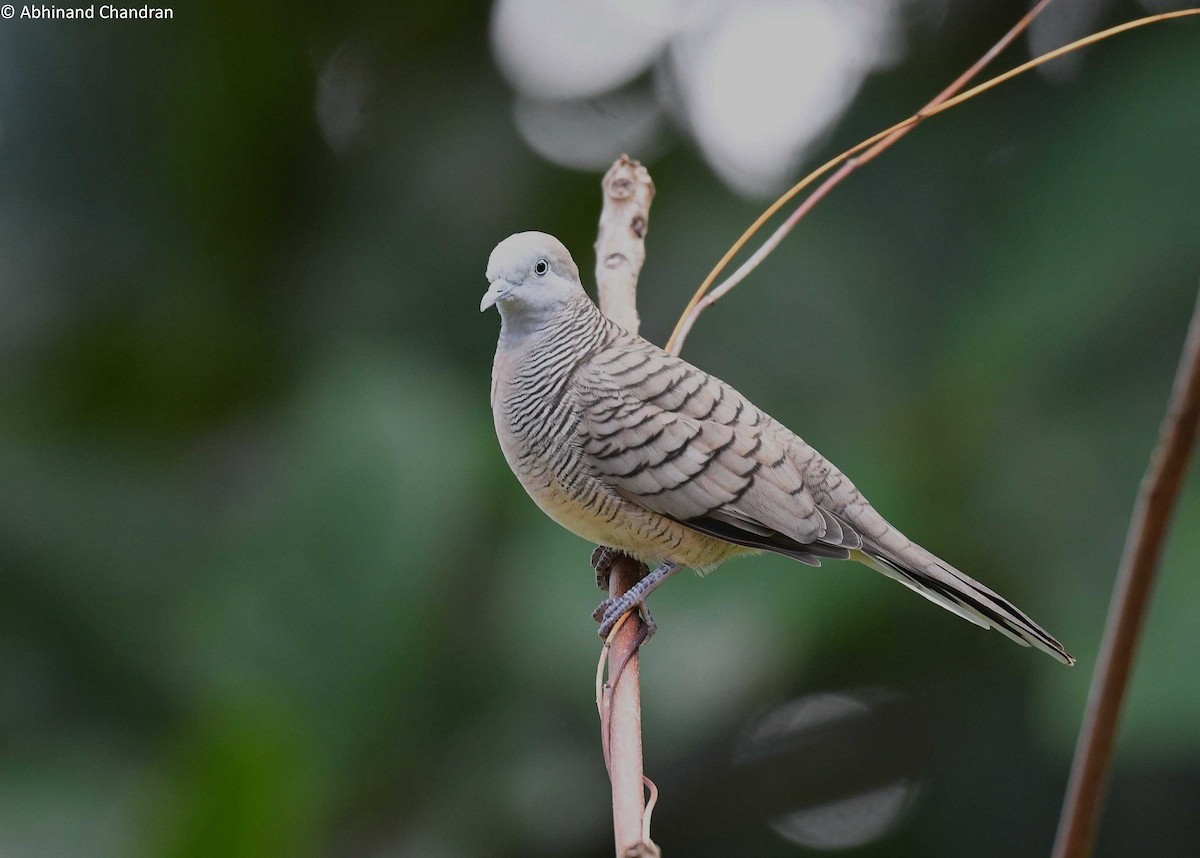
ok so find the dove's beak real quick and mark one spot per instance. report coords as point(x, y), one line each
point(499, 288)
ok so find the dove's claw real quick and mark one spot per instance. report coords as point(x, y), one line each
point(648, 625)
point(610, 611)
point(602, 561)
point(601, 610)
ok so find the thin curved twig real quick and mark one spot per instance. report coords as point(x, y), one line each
point(651, 802)
point(850, 160)
point(876, 144)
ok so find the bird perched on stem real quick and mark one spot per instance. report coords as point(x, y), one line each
point(636, 449)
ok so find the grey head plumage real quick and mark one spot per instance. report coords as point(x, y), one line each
point(532, 277)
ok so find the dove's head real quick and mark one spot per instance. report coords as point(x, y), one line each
point(532, 276)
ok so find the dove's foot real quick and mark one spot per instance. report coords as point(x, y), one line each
point(602, 561)
point(611, 610)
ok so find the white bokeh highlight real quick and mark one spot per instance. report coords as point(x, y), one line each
point(588, 135)
point(755, 83)
point(552, 50)
point(850, 822)
point(345, 84)
point(844, 823)
point(764, 81)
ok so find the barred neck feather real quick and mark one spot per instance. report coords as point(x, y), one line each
point(520, 323)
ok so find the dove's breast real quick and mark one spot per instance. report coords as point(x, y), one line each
point(537, 414)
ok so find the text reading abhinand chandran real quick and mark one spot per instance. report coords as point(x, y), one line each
point(103, 12)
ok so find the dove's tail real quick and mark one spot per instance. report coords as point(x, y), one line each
point(942, 583)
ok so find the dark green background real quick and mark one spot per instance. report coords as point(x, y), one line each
point(267, 587)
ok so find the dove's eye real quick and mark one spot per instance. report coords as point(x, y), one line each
point(541, 267)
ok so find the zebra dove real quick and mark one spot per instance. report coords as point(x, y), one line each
point(631, 447)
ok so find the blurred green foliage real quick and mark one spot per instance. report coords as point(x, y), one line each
point(268, 587)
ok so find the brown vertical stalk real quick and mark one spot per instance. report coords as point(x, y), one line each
point(1131, 599)
point(620, 251)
